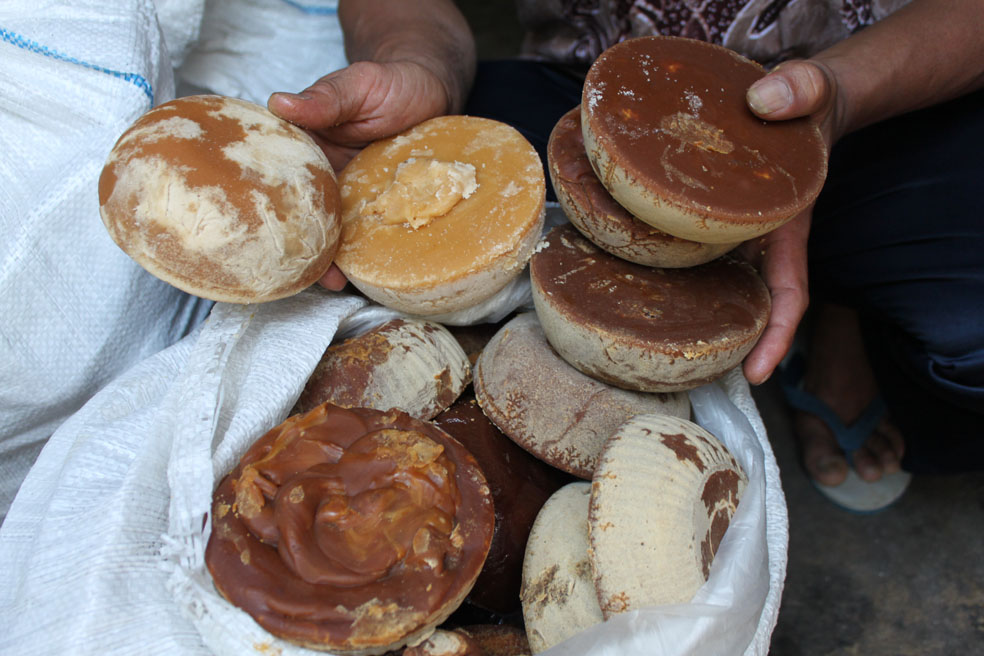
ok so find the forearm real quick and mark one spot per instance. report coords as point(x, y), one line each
point(431, 33)
point(927, 52)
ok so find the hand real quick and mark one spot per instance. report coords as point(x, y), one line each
point(780, 256)
point(346, 110)
point(793, 90)
point(350, 108)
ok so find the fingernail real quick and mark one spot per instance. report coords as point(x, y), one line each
point(769, 95)
point(292, 96)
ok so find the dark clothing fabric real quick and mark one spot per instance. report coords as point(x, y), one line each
point(898, 234)
point(530, 96)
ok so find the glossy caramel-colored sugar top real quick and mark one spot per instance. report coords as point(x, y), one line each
point(671, 112)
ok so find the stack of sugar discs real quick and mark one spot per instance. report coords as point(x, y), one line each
point(663, 169)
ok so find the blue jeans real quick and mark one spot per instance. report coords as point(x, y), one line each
point(898, 234)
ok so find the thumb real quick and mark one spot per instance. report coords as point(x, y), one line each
point(791, 90)
point(332, 100)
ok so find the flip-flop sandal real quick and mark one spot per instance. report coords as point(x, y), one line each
point(854, 493)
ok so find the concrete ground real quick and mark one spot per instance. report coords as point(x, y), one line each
point(908, 580)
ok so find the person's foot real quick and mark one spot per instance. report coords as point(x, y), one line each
point(838, 374)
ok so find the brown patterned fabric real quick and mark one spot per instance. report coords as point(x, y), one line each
point(769, 31)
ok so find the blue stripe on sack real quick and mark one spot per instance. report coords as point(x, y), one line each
point(21, 42)
point(307, 9)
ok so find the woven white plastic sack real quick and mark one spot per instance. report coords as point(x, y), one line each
point(103, 550)
point(76, 310)
point(252, 48)
point(82, 569)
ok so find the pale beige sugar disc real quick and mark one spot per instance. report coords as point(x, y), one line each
point(662, 498)
point(413, 365)
point(442, 216)
point(222, 199)
point(600, 218)
point(645, 328)
point(669, 133)
point(548, 407)
point(558, 593)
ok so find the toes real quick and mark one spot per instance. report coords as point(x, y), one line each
point(893, 436)
point(829, 469)
point(881, 454)
point(868, 464)
point(822, 457)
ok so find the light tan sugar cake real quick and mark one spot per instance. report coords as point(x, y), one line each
point(222, 199)
point(662, 498)
point(548, 407)
point(442, 216)
point(558, 593)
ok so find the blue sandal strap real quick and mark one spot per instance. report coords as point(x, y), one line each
point(849, 438)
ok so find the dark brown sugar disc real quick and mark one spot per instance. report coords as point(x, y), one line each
point(600, 218)
point(353, 531)
point(668, 130)
point(520, 485)
point(645, 328)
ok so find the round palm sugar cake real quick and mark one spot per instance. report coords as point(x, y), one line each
point(222, 199)
point(661, 501)
point(353, 531)
point(600, 218)
point(558, 595)
point(645, 328)
point(668, 131)
point(557, 413)
point(520, 484)
point(441, 216)
point(413, 365)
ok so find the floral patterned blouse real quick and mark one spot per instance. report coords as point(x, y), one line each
point(768, 31)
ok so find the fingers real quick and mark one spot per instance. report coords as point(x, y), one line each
point(783, 267)
point(792, 90)
point(788, 306)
